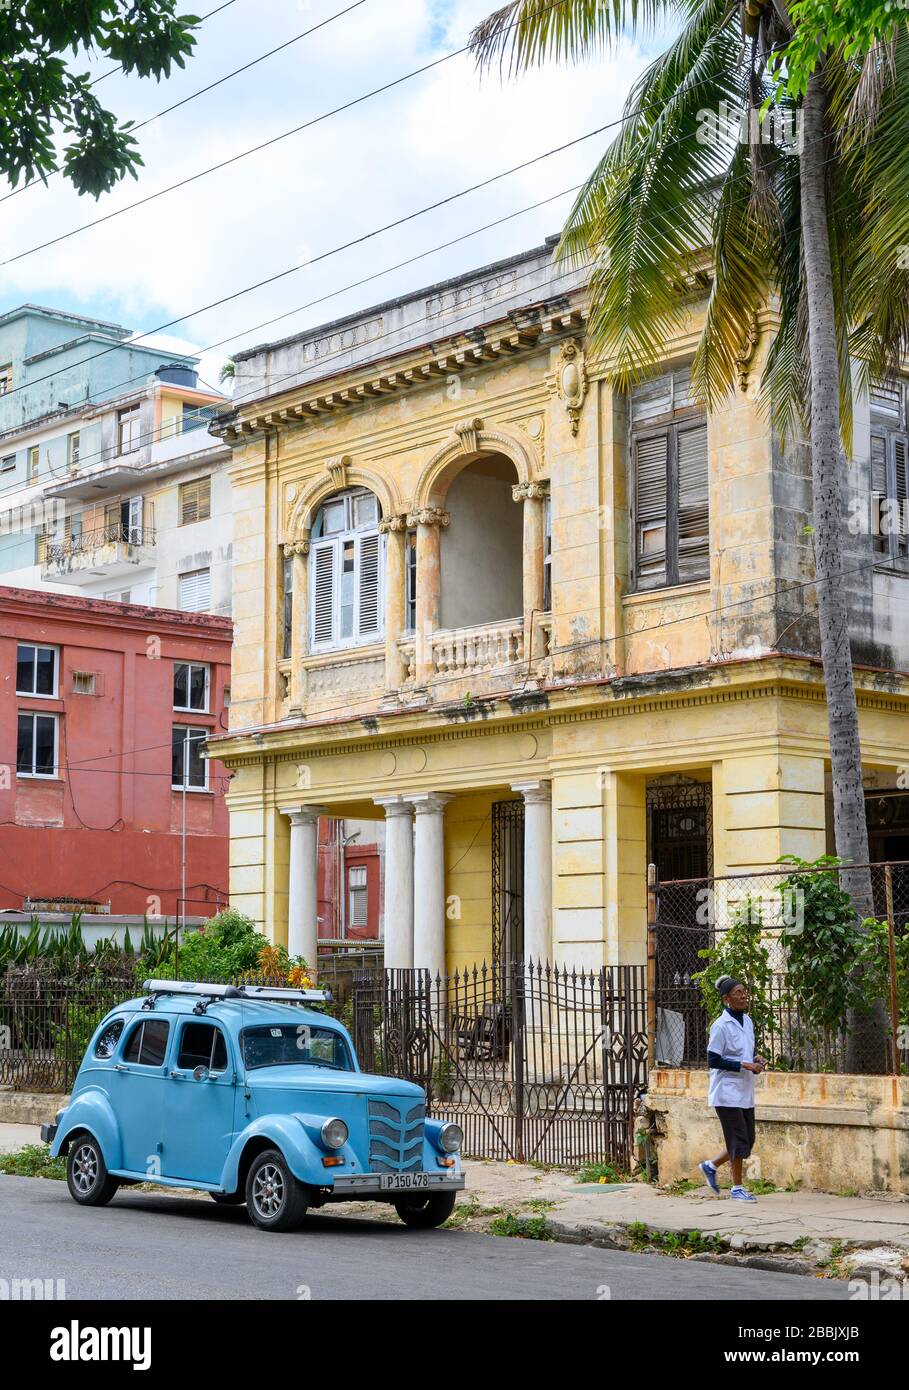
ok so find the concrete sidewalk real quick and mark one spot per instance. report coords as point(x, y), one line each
point(801, 1232)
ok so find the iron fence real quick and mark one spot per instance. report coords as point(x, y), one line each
point(46, 1024)
point(536, 1063)
point(828, 993)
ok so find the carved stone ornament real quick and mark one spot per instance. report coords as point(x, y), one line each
point(428, 516)
point(746, 356)
point(336, 468)
point(298, 547)
point(393, 523)
point(571, 381)
point(468, 433)
point(530, 492)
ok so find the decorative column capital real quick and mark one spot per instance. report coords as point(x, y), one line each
point(297, 547)
point(538, 793)
point(394, 806)
point(428, 516)
point(530, 492)
point(304, 815)
point(393, 523)
point(430, 803)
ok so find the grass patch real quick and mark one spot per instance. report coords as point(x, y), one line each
point(466, 1211)
point(33, 1161)
point(682, 1244)
point(760, 1186)
point(600, 1173)
point(678, 1189)
point(521, 1227)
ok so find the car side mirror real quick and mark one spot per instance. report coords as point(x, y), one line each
point(200, 1073)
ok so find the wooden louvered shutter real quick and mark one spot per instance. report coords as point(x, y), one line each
point(901, 491)
point(368, 586)
point(323, 594)
point(878, 492)
point(694, 508)
point(651, 459)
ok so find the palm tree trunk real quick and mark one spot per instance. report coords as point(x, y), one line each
point(867, 1032)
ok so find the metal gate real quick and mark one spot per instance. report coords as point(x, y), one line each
point(535, 1063)
point(507, 881)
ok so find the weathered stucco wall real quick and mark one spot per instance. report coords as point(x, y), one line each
point(828, 1133)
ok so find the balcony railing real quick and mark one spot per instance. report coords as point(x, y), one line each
point(117, 533)
point(471, 650)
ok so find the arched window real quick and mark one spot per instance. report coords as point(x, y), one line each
point(346, 572)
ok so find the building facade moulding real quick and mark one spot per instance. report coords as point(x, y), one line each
point(338, 474)
point(468, 439)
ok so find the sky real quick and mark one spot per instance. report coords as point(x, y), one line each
point(429, 137)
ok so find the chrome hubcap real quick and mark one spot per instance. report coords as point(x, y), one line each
point(85, 1169)
point(268, 1190)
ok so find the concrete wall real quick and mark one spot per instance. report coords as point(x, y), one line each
point(828, 1133)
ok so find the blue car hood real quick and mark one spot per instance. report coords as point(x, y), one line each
point(321, 1082)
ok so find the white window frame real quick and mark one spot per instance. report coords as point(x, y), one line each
point(335, 543)
point(198, 665)
point(8, 461)
point(352, 890)
point(73, 449)
point(187, 574)
point(131, 416)
point(54, 774)
point(36, 647)
point(191, 733)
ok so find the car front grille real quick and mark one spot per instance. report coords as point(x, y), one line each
point(395, 1136)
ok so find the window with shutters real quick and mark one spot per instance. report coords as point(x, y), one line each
point(195, 501)
point(670, 483)
point(346, 560)
point(889, 471)
point(358, 896)
point(195, 591)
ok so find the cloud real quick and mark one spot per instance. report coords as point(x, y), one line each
point(334, 183)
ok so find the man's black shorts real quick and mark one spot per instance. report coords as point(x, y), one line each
point(738, 1129)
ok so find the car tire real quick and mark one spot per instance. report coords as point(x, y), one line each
point(87, 1177)
point(423, 1213)
point(228, 1199)
point(275, 1200)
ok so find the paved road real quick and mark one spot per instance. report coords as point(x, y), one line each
point(144, 1246)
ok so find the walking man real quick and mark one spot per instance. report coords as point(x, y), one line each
point(733, 1067)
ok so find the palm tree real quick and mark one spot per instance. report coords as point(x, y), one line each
point(818, 225)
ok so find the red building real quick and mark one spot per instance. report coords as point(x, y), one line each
point(97, 700)
point(350, 880)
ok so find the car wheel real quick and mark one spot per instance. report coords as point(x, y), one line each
point(275, 1200)
point(87, 1177)
point(228, 1199)
point(422, 1213)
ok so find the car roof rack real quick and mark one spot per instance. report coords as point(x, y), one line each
point(210, 994)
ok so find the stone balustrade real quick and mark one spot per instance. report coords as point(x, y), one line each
point(470, 650)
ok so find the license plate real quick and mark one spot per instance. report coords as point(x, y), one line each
point(403, 1182)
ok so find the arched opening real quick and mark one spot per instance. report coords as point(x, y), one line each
point(346, 571)
point(482, 547)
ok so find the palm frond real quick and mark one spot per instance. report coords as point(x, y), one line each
point(527, 33)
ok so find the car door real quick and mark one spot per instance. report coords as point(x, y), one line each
point(199, 1109)
point(137, 1092)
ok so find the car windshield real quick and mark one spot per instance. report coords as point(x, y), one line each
point(295, 1044)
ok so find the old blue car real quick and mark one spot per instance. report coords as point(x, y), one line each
point(255, 1096)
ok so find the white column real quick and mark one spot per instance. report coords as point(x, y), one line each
point(399, 893)
point(537, 869)
point(429, 883)
point(303, 885)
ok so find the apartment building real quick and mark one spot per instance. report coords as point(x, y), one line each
point(110, 485)
point(546, 631)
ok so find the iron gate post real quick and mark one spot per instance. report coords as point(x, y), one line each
point(517, 1055)
point(652, 898)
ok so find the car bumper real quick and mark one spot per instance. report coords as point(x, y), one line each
point(369, 1185)
point(48, 1134)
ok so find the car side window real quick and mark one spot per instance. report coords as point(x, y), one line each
point(106, 1045)
point(202, 1045)
point(147, 1043)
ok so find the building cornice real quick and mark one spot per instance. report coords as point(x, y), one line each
point(720, 683)
point(46, 607)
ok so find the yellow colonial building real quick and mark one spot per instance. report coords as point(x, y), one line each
point(546, 631)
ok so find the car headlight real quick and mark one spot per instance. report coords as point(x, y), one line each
point(334, 1134)
point(451, 1138)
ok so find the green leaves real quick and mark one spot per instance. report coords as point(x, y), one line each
point(42, 99)
point(821, 27)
